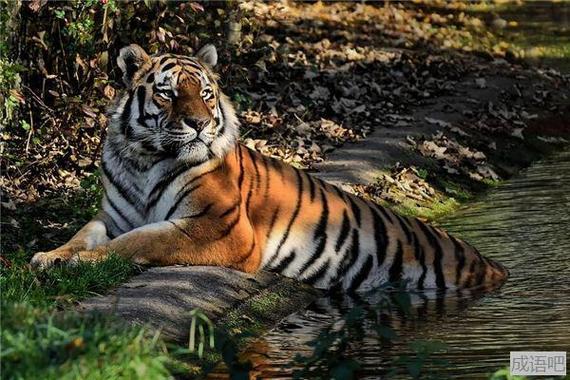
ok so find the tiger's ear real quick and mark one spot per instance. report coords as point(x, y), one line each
point(208, 55)
point(130, 60)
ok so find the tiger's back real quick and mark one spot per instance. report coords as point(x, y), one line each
point(313, 231)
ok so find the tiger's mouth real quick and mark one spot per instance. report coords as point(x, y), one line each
point(191, 147)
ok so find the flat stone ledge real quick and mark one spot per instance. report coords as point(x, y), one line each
point(163, 297)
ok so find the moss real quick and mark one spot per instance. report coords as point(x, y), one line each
point(427, 211)
point(257, 313)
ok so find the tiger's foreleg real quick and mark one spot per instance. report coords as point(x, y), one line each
point(92, 235)
point(183, 241)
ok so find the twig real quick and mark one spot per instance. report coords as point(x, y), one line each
point(30, 133)
point(38, 99)
point(64, 55)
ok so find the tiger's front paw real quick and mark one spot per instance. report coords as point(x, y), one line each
point(92, 256)
point(44, 260)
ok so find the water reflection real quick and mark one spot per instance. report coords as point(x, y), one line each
point(524, 224)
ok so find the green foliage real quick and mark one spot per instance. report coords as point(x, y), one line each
point(505, 374)
point(9, 82)
point(422, 173)
point(93, 191)
point(200, 323)
point(48, 345)
point(242, 101)
point(423, 354)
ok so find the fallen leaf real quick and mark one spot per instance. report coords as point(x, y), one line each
point(439, 123)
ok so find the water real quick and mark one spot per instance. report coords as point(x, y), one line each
point(524, 224)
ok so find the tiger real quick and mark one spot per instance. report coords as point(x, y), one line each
point(179, 188)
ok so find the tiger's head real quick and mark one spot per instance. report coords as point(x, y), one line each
point(173, 106)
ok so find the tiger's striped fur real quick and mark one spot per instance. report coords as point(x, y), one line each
point(180, 189)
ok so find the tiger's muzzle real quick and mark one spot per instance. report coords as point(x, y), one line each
point(197, 124)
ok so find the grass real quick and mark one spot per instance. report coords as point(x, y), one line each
point(40, 344)
point(61, 285)
point(39, 340)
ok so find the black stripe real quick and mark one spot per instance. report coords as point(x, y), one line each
point(482, 269)
point(229, 210)
point(141, 97)
point(122, 164)
point(222, 129)
point(318, 274)
point(404, 227)
point(120, 213)
point(277, 165)
point(164, 59)
point(355, 210)
point(131, 66)
point(241, 173)
point(344, 231)
point(460, 257)
point(422, 279)
point(396, 267)
point(284, 264)
point(438, 255)
point(165, 181)
point(440, 302)
point(386, 213)
point(339, 192)
point(150, 78)
point(380, 235)
point(168, 66)
point(180, 229)
point(471, 273)
point(295, 212)
point(419, 254)
point(267, 178)
point(311, 187)
point(156, 192)
point(362, 274)
point(113, 228)
point(158, 161)
point(229, 228)
point(351, 254)
point(180, 199)
point(127, 168)
point(189, 62)
point(253, 179)
point(320, 235)
point(199, 214)
point(253, 158)
point(272, 223)
point(194, 179)
point(148, 146)
point(124, 192)
point(126, 129)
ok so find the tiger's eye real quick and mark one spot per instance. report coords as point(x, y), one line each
point(207, 93)
point(166, 94)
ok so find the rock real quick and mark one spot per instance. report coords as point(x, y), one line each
point(163, 297)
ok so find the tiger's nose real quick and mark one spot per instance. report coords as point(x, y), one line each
point(198, 125)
